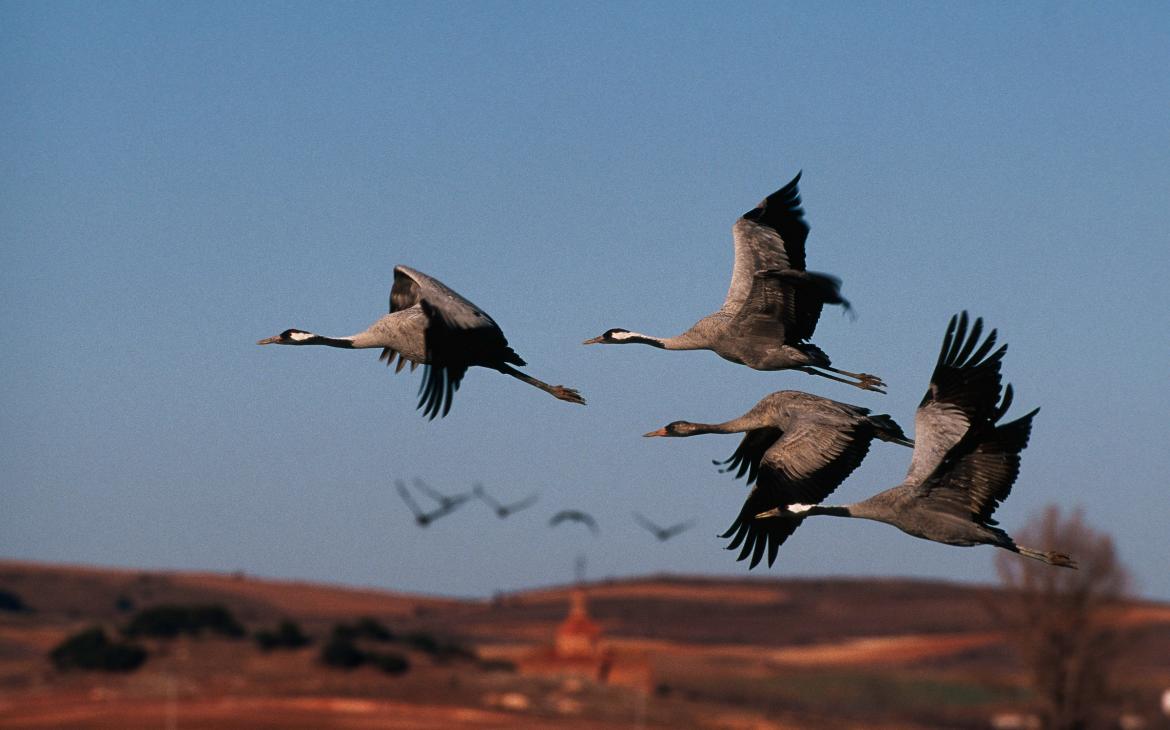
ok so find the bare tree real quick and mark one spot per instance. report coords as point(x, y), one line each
point(1061, 621)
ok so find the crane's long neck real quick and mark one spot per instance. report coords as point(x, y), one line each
point(862, 510)
point(345, 342)
point(748, 422)
point(681, 342)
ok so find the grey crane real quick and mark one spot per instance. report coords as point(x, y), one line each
point(964, 463)
point(424, 518)
point(797, 448)
point(575, 515)
point(503, 510)
point(663, 533)
point(773, 303)
point(432, 325)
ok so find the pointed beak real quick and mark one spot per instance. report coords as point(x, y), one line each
point(659, 432)
point(774, 512)
point(268, 340)
point(594, 340)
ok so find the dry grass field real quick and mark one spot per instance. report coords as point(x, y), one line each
point(710, 653)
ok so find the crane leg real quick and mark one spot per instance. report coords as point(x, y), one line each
point(556, 391)
point(864, 381)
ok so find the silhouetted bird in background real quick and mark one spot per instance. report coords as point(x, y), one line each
point(446, 501)
point(964, 461)
point(773, 303)
point(432, 325)
point(425, 518)
point(663, 533)
point(573, 515)
point(503, 510)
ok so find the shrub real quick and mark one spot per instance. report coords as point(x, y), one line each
point(92, 649)
point(288, 635)
point(365, 628)
point(497, 665)
point(10, 601)
point(390, 662)
point(369, 628)
point(169, 621)
point(342, 653)
point(437, 648)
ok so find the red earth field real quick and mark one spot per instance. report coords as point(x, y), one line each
point(680, 652)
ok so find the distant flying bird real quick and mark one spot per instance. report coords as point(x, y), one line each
point(797, 448)
point(964, 461)
point(503, 510)
point(663, 533)
point(773, 304)
point(423, 518)
point(430, 324)
point(573, 515)
point(446, 501)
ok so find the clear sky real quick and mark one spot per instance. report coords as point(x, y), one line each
point(180, 180)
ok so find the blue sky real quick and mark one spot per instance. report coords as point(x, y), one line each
point(180, 180)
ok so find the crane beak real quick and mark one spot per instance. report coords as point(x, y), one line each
point(269, 340)
point(659, 432)
point(594, 340)
point(774, 512)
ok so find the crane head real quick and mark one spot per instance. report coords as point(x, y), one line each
point(676, 428)
point(288, 337)
point(610, 337)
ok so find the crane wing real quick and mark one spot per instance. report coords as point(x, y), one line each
point(804, 466)
point(964, 389)
point(486, 498)
point(522, 504)
point(458, 334)
point(769, 236)
point(410, 503)
point(979, 473)
point(573, 515)
point(747, 456)
point(647, 524)
point(680, 527)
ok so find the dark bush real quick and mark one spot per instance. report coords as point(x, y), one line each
point(437, 648)
point(125, 604)
point(365, 628)
point(288, 635)
point(10, 601)
point(92, 649)
point(390, 662)
point(424, 642)
point(169, 621)
point(497, 665)
point(342, 653)
point(369, 628)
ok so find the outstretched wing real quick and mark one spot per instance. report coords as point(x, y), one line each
point(486, 498)
point(979, 473)
point(747, 456)
point(769, 236)
point(458, 334)
point(680, 527)
point(806, 464)
point(573, 515)
point(963, 393)
point(523, 504)
point(771, 295)
point(410, 503)
point(647, 524)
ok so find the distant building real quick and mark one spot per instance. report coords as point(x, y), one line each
point(578, 635)
point(578, 650)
